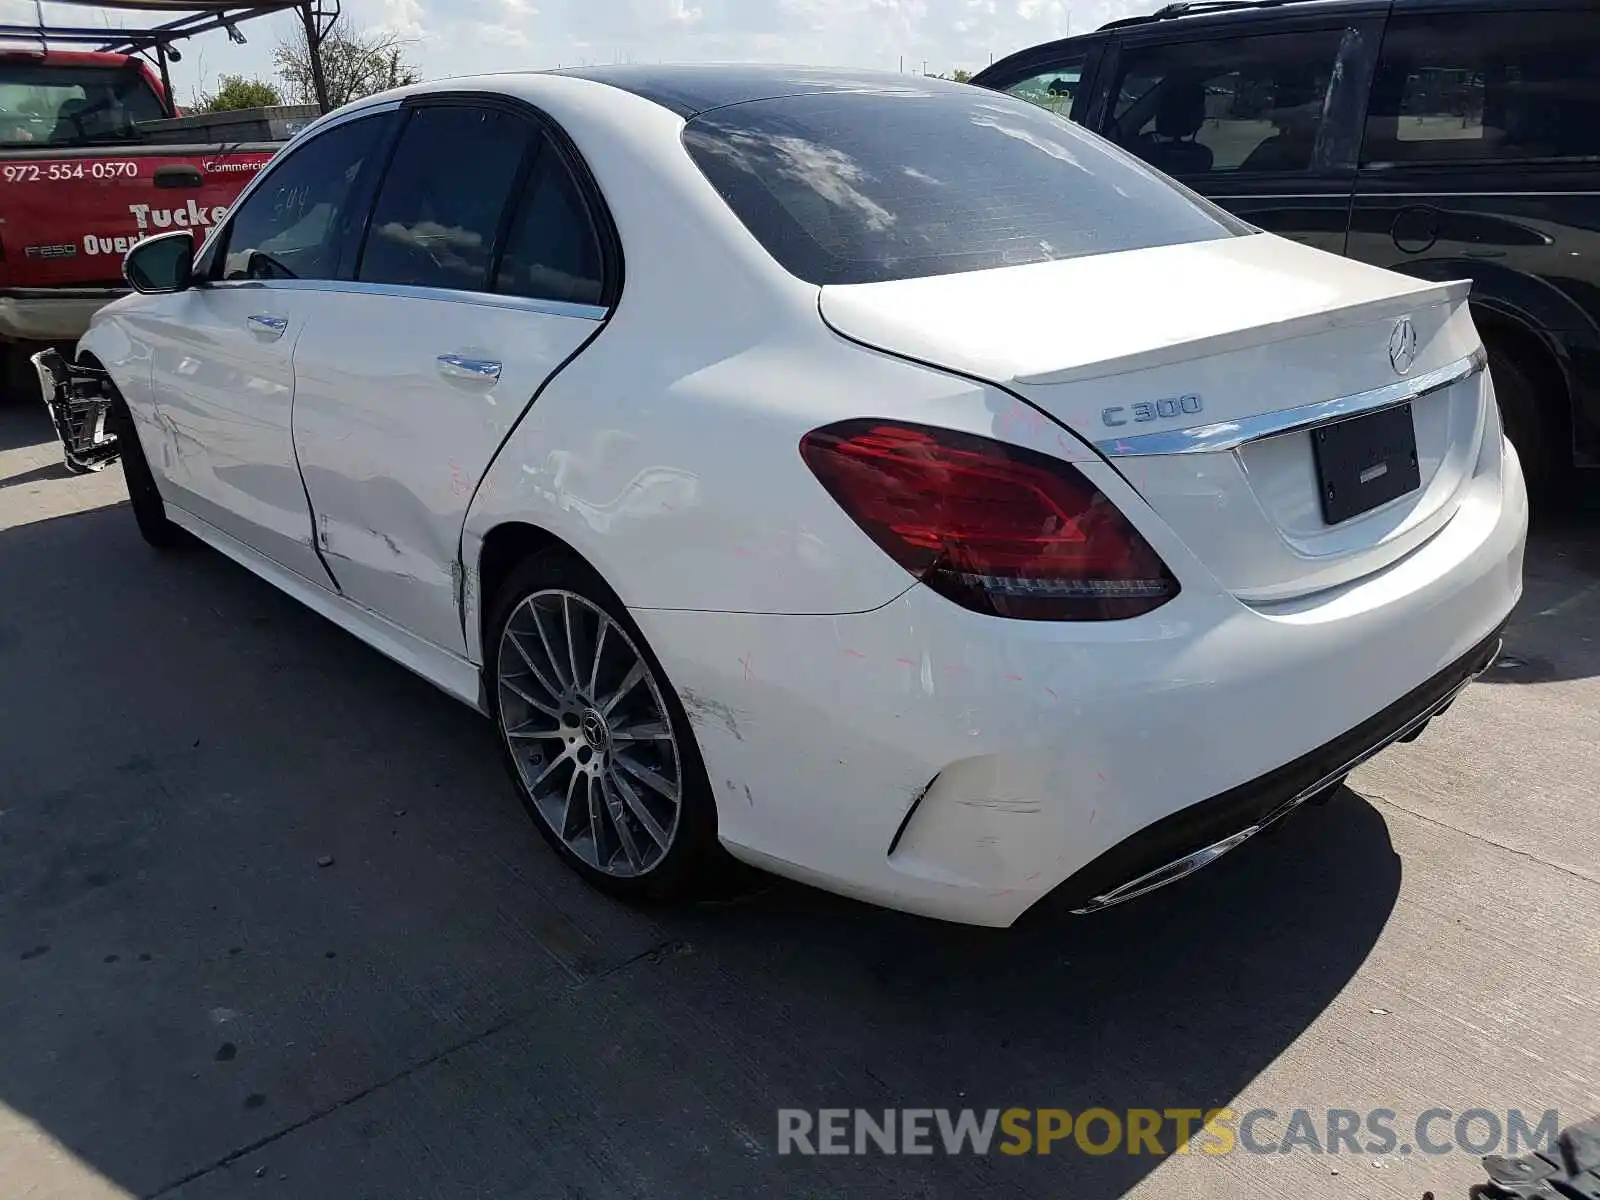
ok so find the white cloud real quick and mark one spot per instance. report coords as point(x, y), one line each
point(456, 37)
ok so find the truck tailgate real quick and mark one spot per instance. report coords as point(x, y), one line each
point(67, 216)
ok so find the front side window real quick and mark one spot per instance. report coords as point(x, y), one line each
point(1055, 90)
point(859, 187)
point(1486, 87)
point(1210, 108)
point(49, 105)
point(439, 207)
point(553, 251)
point(292, 224)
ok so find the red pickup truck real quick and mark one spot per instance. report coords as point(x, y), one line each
point(79, 184)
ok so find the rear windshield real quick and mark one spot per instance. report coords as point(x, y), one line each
point(861, 187)
point(62, 106)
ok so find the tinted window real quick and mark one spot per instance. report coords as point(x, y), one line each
point(867, 186)
point(441, 201)
point(1487, 87)
point(59, 105)
point(1249, 104)
point(291, 226)
point(1055, 90)
point(553, 252)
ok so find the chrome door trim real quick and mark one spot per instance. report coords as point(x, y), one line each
point(1230, 435)
point(549, 308)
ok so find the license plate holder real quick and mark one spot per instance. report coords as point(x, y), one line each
point(1365, 461)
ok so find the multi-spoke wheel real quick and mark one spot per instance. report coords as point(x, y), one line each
point(596, 739)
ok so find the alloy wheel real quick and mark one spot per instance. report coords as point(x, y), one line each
point(582, 715)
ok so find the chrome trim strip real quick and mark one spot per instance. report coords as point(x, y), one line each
point(1190, 863)
point(551, 308)
point(1230, 435)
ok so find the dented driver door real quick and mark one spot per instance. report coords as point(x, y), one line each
point(480, 277)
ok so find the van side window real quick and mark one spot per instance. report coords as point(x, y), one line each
point(1208, 108)
point(1054, 90)
point(1486, 87)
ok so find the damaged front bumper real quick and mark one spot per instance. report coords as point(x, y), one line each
point(79, 400)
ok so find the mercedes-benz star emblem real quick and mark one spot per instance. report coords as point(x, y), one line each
point(1403, 346)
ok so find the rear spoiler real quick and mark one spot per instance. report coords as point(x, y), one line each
point(1424, 295)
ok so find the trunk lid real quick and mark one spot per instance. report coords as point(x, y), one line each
point(1206, 371)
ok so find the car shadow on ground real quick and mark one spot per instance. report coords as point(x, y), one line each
point(270, 915)
point(23, 421)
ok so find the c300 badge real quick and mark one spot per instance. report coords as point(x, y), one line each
point(1153, 410)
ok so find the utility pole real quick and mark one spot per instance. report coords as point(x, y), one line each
point(311, 16)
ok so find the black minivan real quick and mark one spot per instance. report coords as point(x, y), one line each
point(1448, 139)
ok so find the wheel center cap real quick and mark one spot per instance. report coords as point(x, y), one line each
point(595, 731)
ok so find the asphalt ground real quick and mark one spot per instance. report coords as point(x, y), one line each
point(272, 923)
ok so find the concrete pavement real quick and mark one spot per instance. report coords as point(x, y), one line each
point(193, 1005)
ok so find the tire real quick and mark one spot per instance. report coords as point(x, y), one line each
point(561, 736)
point(148, 510)
point(1538, 432)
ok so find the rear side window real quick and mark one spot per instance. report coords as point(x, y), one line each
point(53, 105)
point(863, 187)
point(1244, 104)
point(553, 251)
point(1487, 87)
point(439, 208)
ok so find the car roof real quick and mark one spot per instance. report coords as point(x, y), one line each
point(692, 89)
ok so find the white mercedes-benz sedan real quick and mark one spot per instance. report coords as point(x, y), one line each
point(878, 480)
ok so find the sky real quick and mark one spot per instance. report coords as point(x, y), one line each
point(458, 37)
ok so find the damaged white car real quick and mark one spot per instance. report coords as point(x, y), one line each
point(880, 481)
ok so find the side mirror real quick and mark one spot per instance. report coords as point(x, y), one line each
point(161, 264)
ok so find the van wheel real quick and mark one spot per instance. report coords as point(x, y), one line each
point(597, 742)
point(148, 510)
point(1534, 429)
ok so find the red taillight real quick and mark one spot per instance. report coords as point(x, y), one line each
point(996, 528)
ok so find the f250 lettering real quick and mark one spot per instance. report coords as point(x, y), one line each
point(1152, 410)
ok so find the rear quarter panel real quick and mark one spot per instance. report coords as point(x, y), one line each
point(668, 452)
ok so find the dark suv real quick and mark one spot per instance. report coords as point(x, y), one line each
point(1448, 139)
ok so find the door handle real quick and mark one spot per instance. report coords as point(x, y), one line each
point(272, 327)
point(478, 370)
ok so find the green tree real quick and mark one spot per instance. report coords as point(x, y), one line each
point(235, 91)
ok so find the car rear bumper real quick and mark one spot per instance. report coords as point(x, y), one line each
point(934, 760)
point(51, 314)
point(1195, 837)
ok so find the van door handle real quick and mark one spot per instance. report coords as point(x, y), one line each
point(478, 370)
point(269, 327)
